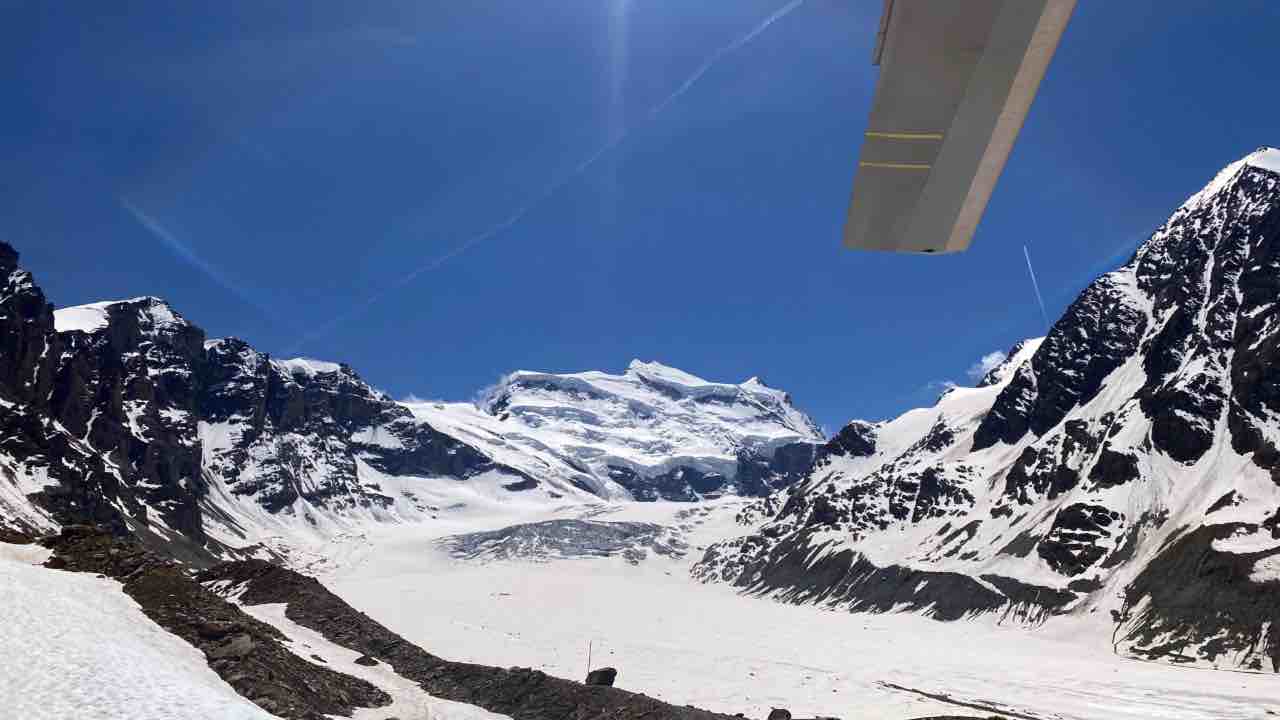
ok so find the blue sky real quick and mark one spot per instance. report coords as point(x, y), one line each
point(401, 185)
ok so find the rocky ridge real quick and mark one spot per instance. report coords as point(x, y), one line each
point(124, 414)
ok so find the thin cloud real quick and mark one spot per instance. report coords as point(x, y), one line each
point(1035, 285)
point(189, 256)
point(934, 387)
point(716, 56)
point(986, 364)
point(556, 185)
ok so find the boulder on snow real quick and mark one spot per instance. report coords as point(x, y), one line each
point(602, 676)
point(779, 714)
point(366, 660)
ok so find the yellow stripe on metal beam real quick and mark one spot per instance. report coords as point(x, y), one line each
point(904, 135)
point(897, 166)
point(955, 85)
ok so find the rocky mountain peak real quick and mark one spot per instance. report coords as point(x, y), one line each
point(8, 258)
point(855, 439)
point(28, 344)
point(147, 314)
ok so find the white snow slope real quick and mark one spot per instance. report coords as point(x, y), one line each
point(75, 646)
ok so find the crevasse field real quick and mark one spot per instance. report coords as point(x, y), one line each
point(684, 642)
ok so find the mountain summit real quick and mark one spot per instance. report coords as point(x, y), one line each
point(653, 432)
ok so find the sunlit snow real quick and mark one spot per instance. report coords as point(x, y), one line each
point(683, 642)
point(75, 646)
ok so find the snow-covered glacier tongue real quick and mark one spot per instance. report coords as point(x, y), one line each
point(1123, 470)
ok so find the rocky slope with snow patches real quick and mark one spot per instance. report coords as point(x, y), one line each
point(123, 414)
point(1125, 467)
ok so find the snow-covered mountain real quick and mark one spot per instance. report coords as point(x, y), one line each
point(1124, 465)
point(653, 432)
point(122, 413)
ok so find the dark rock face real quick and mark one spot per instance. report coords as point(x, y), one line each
point(602, 677)
point(1255, 379)
point(681, 484)
point(857, 439)
point(756, 475)
point(759, 476)
point(55, 462)
point(26, 333)
point(1075, 541)
point(790, 572)
point(130, 391)
point(1202, 603)
point(1099, 331)
point(294, 430)
point(125, 421)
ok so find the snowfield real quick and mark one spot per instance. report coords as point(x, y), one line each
point(75, 646)
point(683, 642)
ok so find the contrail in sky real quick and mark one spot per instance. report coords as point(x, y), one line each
point(1036, 286)
point(552, 188)
point(187, 255)
point(716, 56)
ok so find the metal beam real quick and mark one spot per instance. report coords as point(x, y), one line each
point(956, 82)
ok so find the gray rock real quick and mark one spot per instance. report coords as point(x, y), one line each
point(216, 630)
point(602, 676)
point(233, 647)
